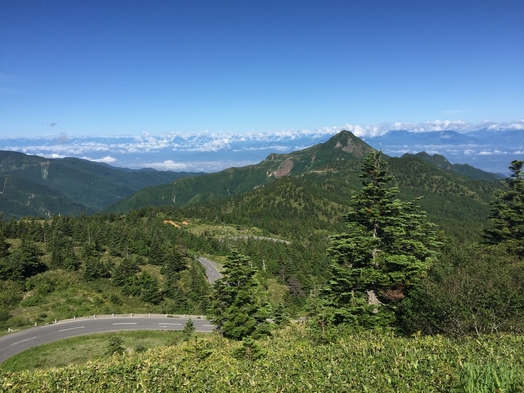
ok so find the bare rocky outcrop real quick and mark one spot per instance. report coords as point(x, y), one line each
point(283, 169)
point(350, 147)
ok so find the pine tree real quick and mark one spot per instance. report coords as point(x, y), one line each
point(386, 250)
point(507, 213)
point(4, 246)
point(234, 305)
point(123, 272)
point(189, 329)
point(173, 263)
point(150, 291)
point(156, 253)
point(29, 258)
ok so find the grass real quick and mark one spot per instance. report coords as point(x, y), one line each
point(293, 361)
point(80, 350)
point(222, 231)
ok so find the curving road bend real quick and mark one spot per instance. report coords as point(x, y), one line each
point(212, 272)
point(14, 343)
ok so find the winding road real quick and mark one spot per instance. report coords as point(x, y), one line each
point(212, 272)
point(16, 342)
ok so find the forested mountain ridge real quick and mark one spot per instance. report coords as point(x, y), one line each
point(309, 189)
point(38, 186)
point(296, 207)
point(20, 197)
point(459, 169)
point(233, 181)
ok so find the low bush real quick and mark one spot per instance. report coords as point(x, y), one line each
point(363, 362)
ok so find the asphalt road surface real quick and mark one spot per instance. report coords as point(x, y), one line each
point(16, 342)
point(212, 272)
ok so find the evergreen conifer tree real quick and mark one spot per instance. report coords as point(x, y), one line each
point(189, 329)
point(122, 274)
point(387, 248)
point(29, 257)
point(507, 213)
point(150, 291)
point(4, 246)
point(234, 306)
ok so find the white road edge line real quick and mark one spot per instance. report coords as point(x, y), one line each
point(124, 323)
point(167, 323)
point(27, 339)
point(209, 325)
point(65, 330)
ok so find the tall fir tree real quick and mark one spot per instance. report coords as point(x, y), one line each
point(4, 246)
point(507, 213)
point(122, 274)
point(235, 307)
point(387, 249)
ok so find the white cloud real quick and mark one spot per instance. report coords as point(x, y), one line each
point(194, 166)
point(106, 159)
point(517, 126)
point(168, 165)
point(401, 151)
point(178, 151)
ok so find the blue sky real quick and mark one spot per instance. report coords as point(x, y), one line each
point(100, 68)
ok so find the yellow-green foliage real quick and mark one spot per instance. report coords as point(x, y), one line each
point(365, 362)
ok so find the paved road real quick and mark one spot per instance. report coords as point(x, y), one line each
point(212, 272)
point(14, 343)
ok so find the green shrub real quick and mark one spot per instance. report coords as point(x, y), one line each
point(491, 377)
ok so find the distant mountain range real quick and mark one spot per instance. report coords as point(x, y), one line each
point(32, 185)
point(488, 148)
point(491, 150)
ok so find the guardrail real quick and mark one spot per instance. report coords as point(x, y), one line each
point(109, 316)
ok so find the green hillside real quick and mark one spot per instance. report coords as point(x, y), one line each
point(295, 207)
point(459, 169)
point(92, 186)
point(20, 197)
point(321, 158)
point(457, 325)
point(309, 189)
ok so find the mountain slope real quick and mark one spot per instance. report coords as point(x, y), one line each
point(86, 183)
point(294, 194)
point(295, 207)
point(459, 169)
point(20, 197)
point(343, 147)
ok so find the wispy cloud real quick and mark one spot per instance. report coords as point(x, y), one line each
point(5, 80)
point(457, 111)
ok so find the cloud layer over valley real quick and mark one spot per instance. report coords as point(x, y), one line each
point(489, 146)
